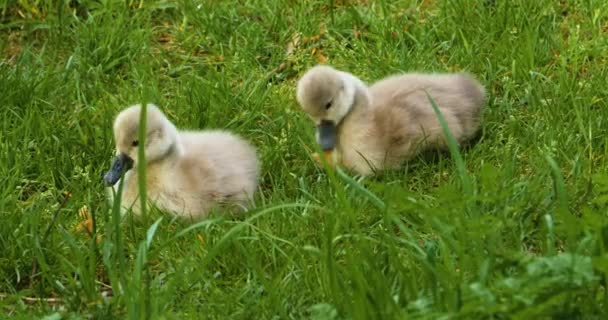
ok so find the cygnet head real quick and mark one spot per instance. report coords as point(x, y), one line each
point(159, 142)
point(327, 95)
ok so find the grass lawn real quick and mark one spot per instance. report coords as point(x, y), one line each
point(517, 229)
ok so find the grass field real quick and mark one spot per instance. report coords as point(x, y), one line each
point(517, 229)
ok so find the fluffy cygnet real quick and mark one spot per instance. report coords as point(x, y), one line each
point(368, 129)
point(188, 172)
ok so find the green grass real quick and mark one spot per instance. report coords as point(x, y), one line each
point(515, 228)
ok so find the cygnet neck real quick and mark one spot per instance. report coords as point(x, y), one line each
point(175, 150)
point(361, 95)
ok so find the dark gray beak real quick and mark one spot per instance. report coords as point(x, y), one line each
point(122, 163)
point(326, 135)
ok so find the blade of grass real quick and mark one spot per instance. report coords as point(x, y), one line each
point(362, 190)
point(117, 261)
point(141, 161)
point(467, 185)
point(139, 287)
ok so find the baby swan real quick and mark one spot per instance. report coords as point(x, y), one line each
point(187, 172)
point(381, 126)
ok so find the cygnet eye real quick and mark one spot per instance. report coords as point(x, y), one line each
point(135, 143)
point(328, 105)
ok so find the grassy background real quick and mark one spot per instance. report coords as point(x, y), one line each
point(521, 232)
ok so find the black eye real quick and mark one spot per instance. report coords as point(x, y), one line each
point(328, 105)
point(135, 143)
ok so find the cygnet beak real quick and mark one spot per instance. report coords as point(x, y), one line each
point(122, 163)
point(326, 135)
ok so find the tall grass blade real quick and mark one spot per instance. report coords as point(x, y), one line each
point(454, 151)
point(378, 203)
point(141, 161)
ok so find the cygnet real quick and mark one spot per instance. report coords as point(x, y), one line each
point(370, 129)
point(188, 173)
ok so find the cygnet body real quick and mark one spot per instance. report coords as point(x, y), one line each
point(369, 129)
point(187, 172)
